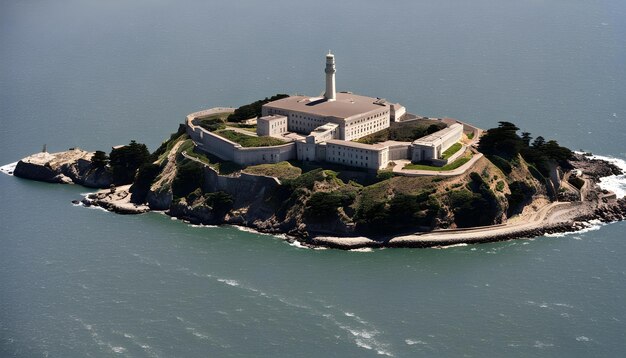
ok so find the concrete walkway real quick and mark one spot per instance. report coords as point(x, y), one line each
point(550, 214)
point(241, 131)
point(398, 168)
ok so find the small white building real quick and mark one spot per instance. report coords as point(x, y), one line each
point(433, 145)
point(369, 156)
point(273, 126)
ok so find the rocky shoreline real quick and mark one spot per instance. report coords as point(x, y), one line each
point(73, 167)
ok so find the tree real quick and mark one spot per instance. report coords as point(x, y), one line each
point(539, 142)
point(502, 141)
point(219, 201)
point(526, 138)
point(99, 159)
point(253, 109)
point(189, 176)
point(146, 174)
point(126, 159)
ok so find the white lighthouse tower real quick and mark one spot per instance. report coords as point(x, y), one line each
point(330, 94)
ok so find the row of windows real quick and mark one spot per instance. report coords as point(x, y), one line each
point(368, 118)
point(277, 124)
point(349, 155)
point(341, 147)
point(350, 162)
point(374, 127)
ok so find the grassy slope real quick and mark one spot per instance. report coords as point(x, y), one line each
point(282, 170)
point(248, 140)
point(292, 200)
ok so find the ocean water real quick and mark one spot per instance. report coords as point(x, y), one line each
point(77, 282)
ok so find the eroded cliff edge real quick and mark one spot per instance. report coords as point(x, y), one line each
point(343, 209)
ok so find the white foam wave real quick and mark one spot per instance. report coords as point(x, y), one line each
point(118, 350)
point(541, 345)
point(196, 333)
point(297, 244)
point(583, 339)
point(450, 246)
point(96, 207)
point(229, 282)
point(95, 336)
point(362, 249)
point(203, 226)
point(8, 169)
point(614, 183)
point(362, 332)
point(250, 230)
point(592, 225)
point(146, 348)
point(147, 260)
point(411, 342)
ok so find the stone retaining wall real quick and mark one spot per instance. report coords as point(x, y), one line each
point(228, 150)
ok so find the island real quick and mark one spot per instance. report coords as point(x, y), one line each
point(346, 171)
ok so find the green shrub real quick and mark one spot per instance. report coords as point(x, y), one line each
point(253, 109)
point(323, 204)
point(125, 160)
point(281, 170)
point(219, 201)
point(211, 124)
point(146, 174)
point(521, 193)
point(166, 145)
point(500, 185)
point(248, 140)
point(189, 177)
point(384, 175)
point(501, 163)
point(305, 180)
point(99, 159)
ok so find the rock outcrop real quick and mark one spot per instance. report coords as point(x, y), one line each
point(72, 166)
point(267, 205)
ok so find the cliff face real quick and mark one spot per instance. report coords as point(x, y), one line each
point(319, 203)
point(72, 166)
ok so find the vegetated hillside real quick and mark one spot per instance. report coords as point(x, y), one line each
point(404, 131)
point(195, 187)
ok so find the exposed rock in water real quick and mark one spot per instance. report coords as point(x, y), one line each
point(269, 206)
point(72, 166)
point(117, 201)
point(595, 168)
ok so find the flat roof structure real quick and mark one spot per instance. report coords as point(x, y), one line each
point(346, 105)
point(431, 138)
point(345, 143)
point(270, 118)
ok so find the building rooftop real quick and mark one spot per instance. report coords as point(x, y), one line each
point(325, 128)
point(431, 138)
point(346, 143)
point(269, 118)
point(346, 105)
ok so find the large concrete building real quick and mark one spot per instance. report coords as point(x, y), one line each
point(324, 128)
point(356, 116)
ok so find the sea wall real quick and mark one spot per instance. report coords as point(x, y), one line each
point(243, 187)
point(228, 150)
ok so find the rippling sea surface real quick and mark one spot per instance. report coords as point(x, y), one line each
point(77, 282)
